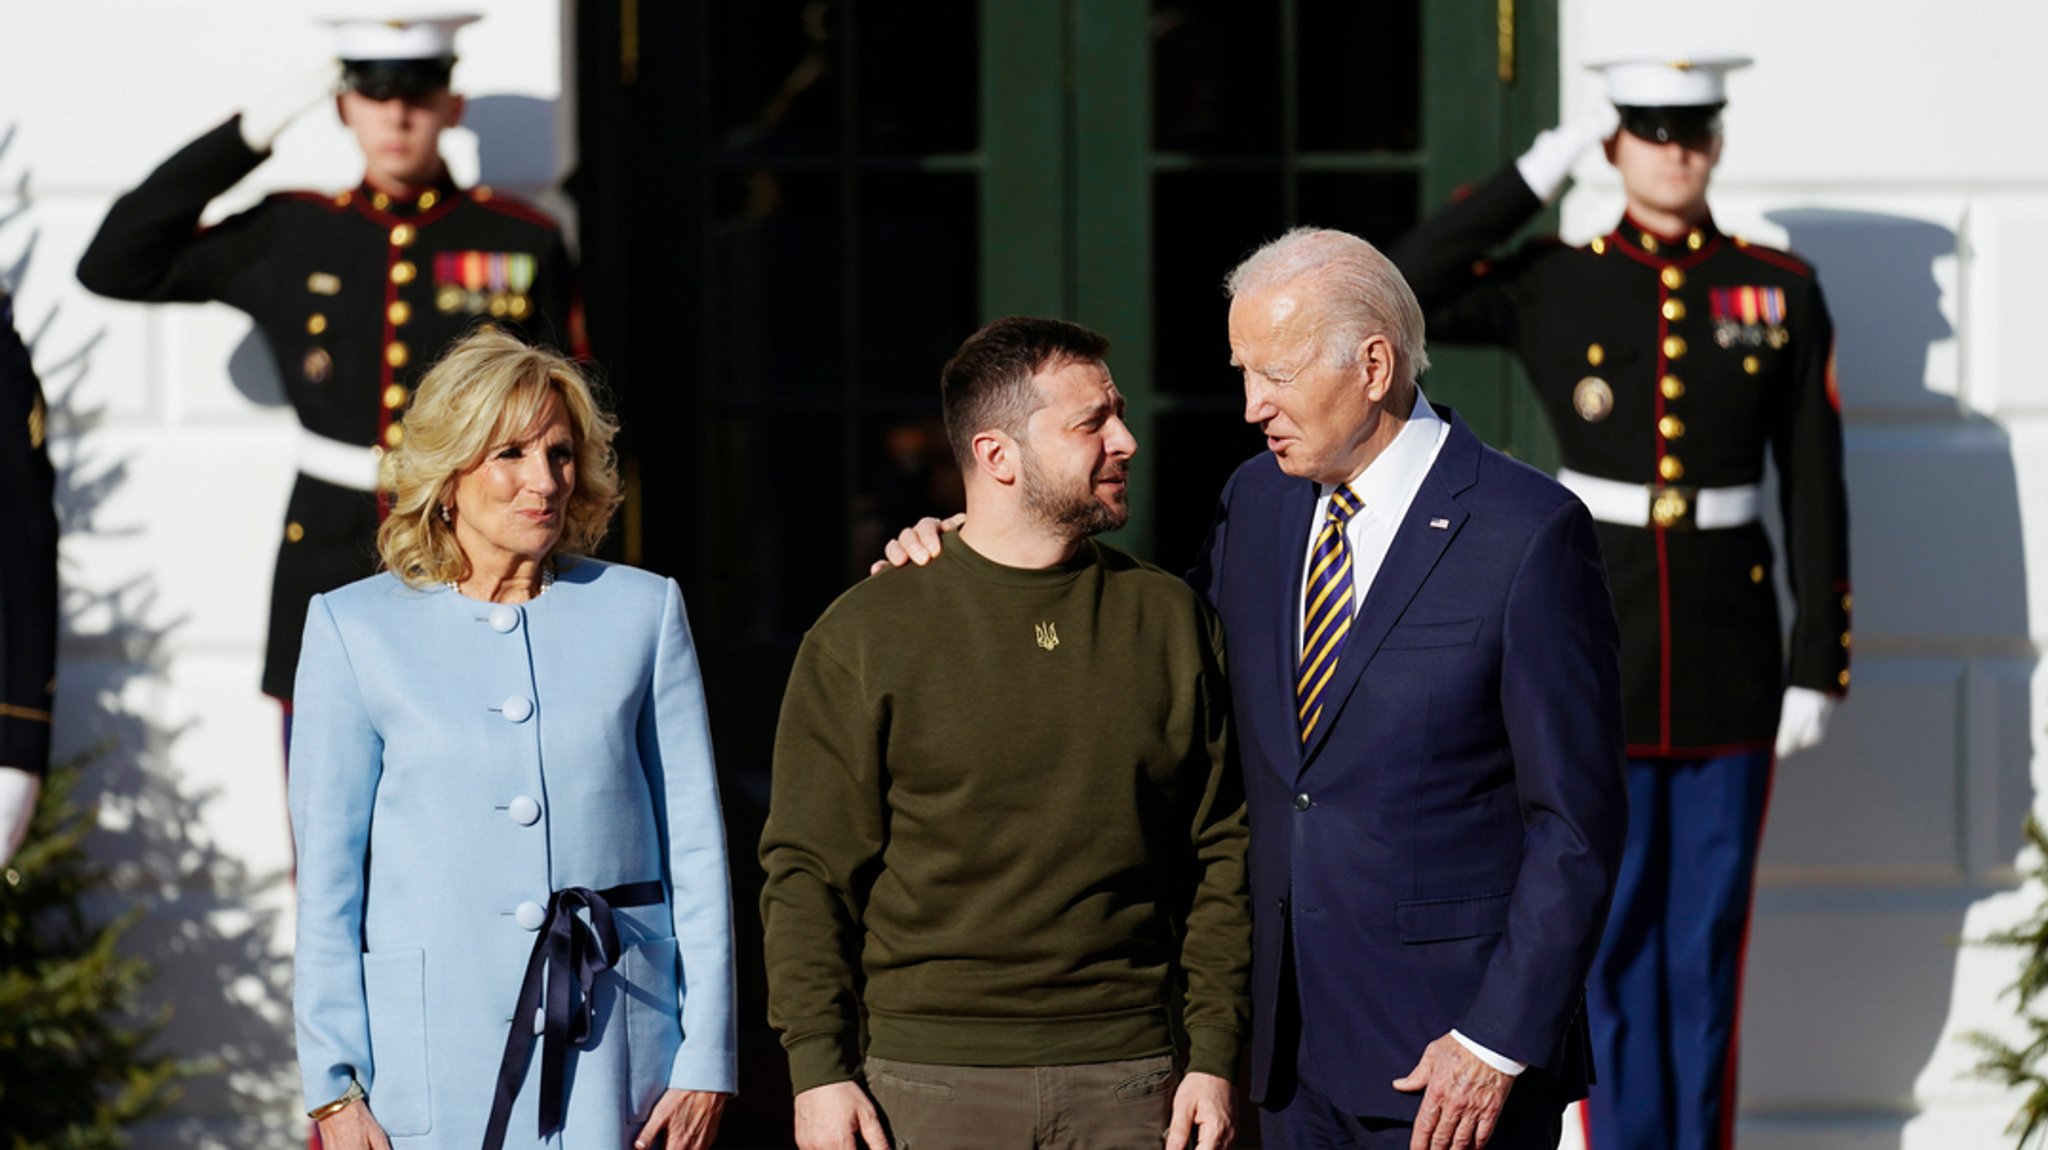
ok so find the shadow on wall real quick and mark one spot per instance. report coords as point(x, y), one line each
point(515, 139)
point(1880, 841)
point(203, 931)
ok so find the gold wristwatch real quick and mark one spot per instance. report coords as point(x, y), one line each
point(354, 1093)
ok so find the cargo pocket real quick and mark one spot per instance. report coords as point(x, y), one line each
point(654, 1029)
point(394, 987)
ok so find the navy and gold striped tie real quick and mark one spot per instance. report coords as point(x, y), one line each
point(1326, 609)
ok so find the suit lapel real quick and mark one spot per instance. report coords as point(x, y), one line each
point(1297, 509)
point(1414, 554)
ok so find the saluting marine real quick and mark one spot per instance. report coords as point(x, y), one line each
point(356, 292)
point(28, 585)
point(1671, 360)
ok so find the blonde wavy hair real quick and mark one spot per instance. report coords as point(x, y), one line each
point(487, 390)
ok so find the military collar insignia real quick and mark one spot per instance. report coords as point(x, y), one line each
point(443, 192)
point(1634, 236)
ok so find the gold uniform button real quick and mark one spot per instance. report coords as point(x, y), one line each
point(1671, 469)
point(380, 201)
point(1694, 239)
point(394, 396)
point(402, 272)
point(428, 199)
point(401, 236)
point(1751, 364)
point(1599, 245)
point(1672, 278)
point(1595, 354)
point(1671, 427)
point(341, 199)
point(1650, 244)
point(1845, 640)
point(1672, 387)
point(1847, 602)
point(294, 531)
point(399, 313)
point(1674, 347)
point(316, 323)
point(481, 195)
point(1843, 678)
point(1756, 573)
point(395, 354)
point(1674, 310)
point(394, 435)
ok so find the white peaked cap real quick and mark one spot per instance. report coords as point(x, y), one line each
point(399, 37)
point(1667, 81)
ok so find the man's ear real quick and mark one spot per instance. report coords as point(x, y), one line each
point(457, 105)
point(995, 455)
point(1608, 145)
point(1375, 366)
point(341, 108)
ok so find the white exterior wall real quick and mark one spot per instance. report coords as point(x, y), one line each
point(174, 481)
point(1888, 141)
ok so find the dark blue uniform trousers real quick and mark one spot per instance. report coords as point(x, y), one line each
point(1668, 979)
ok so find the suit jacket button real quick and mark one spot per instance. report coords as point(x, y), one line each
point(1302, 802)
point(524, 810)
point(517, 709)
point(504, 618)
point(529, 915)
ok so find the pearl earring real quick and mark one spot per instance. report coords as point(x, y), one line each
point(445, 516)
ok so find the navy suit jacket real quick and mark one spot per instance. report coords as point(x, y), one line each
point(1442, 852)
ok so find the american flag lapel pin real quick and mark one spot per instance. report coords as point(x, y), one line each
point(1439, 525)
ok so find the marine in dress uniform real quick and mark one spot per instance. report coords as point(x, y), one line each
point(1671, 361)
point(356, 292)
point(28, 585)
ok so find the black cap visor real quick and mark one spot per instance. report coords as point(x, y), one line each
point(1684, 124)
point(397, 79)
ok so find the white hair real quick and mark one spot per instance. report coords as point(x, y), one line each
point(1359, 292)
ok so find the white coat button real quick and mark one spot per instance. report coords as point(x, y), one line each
point(517, 708)
point(540, 1020)
point(524, 811)
point(529, 915)
point(504, 618)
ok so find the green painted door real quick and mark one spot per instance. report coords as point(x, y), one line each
point(1174, 136)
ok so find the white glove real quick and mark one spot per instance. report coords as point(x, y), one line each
point(1803, 722)
point(1548, 162)
point(265, 119)
point(18, 791)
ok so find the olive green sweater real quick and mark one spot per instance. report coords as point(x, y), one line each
point(1007, 828)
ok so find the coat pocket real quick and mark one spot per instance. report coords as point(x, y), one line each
point(1415, 636)
point(394, 987)
point(654, 1027)
point(1444, 919)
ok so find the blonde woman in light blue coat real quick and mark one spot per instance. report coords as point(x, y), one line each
point(515, 924)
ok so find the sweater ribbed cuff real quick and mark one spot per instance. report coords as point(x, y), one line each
point(1214, 1050)
point(819, 1060)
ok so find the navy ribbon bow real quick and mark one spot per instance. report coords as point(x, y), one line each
point(568, 949)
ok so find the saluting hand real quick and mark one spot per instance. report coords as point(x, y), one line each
point(689, 1118)
point(352, 1127)
point(1461, 1100)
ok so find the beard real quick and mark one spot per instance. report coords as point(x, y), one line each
point(1071, 509)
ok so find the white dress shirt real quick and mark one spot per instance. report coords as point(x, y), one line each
point(1386, 489)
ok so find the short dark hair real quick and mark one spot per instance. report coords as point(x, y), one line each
point(987, 383)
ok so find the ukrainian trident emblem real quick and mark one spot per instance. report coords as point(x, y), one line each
point(1048, 635)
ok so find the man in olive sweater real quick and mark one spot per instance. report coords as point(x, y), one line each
point(1005, 848)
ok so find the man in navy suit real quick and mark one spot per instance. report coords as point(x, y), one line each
point(1425, 674)
point(1425, 668)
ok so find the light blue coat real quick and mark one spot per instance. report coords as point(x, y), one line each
point(453, 763)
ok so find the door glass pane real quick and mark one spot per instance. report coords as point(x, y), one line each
point(1197, 449)
point(1358, 86)
point(917, 84)
point(1216, 77)
point(776, 254)
point(1203, 223)
point(1377, 205)
point(781, 549)
point(773, 87)
point(905, 472)
point(919, 278)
